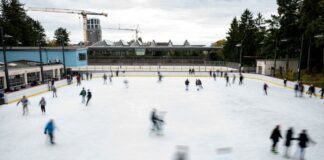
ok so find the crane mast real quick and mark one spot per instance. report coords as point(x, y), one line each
point(83, 13)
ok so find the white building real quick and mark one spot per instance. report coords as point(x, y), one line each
point(266, 66)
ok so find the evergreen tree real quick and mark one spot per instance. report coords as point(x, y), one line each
point(61, 34)
point(233, 38)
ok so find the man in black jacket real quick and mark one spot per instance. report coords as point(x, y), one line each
point(275, 136)
point(289, 138)
point(303, 142)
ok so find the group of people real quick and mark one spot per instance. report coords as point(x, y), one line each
point(299, 90)
point(303, 141)
point(85, 94)
point(198, 84)
point(192, 71)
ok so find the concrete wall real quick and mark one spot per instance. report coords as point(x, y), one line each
point(71, 56)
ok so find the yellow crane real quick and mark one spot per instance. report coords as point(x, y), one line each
point(83, 13)
point(136, 30)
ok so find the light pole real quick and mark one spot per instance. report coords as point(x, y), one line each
point(62, 43)
point(239, 45)
point(318, 37)
point(41, 58)
point(3, 36)
point(300, 57)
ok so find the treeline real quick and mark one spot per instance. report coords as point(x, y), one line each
point(296, 22)
point(24, 30)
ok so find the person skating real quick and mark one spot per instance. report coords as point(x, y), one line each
point(87, 75)
point(210, 73)
point(275, 137)
point(265, 88)
point(110, 78)
point(49, 130)
point(187, 84)
point(311, 91)
point(303, 139)
point(78, 78)
point(214, 76)
point(126, 83)
point(156, 121)
point(91, 76)
point(24, 101)
point(285, 82)
point(241, 79)
point(322, 92)
point(54, 90)
point(42, 104)
point(289, 137)
point(296, 89)
point(234, 78)
point(105, 78)
point(83, 94)
point(160, 77)
point(227, 80)
point(117, 73)
point(301, 89)
point(89, 96)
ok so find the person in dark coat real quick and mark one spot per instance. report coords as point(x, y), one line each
point(296, 88)
point(155, 120)
point(49, 130)
point(301, 89)
point(187, 84)
point(289, 138)
point(25, 103)
point(241, 79)
point(322, 92)
point(214, 76)
point(311, 91)
point(275, 137)
point(89, 96)
point(265, 88)
point(303, 139)
point(210, 73)
point(285, 82)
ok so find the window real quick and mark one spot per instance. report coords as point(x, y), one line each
point(82, 57)
point(16, 80)
point(48, 75)
point(33, 77)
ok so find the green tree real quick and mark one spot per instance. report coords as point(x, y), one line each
point(21, 27)
point(233, 38)
point(61, 34)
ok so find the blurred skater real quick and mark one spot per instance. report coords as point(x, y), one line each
point(126, 83)
point(289, 138)
point(187, 84)
point(160, 77)
point(49, 130)
point(234, 78)
point(311, 91)
point(156, 120)
point(182, 153)
point(227, 80)
point(322, 92)
point(301, 89)
point(83, 94)
point(296, 89)
point(89, 96)
point(105, 78)
point(275, 137)
point(42, 104)
point(214, 76)
point(54, 90)
point(303, 139)
point(285, 82)
point(24, 101)
point(265, 88)
point(241, 79)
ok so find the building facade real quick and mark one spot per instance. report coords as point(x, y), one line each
point(266, 66)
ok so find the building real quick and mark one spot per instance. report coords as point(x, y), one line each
point(94, 32)
point(74, 56)
point(266, 66)
point(108, 52)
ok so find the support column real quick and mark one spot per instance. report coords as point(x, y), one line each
point(40, 76)
point(59, 74)
point(26, 78)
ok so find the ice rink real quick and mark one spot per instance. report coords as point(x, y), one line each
point(116, 125)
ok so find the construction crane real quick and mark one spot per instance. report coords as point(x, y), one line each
point(83, 13)
point(136, 30)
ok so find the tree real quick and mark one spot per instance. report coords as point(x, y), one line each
point(230, 51)
point(21, 27)
point(61, 35)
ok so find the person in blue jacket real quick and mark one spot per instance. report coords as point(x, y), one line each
point(49, 130)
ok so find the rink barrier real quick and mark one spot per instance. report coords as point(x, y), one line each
point(31, 92)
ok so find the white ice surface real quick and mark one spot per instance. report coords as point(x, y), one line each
point(116, 126)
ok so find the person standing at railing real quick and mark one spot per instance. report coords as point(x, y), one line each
point(322, 92)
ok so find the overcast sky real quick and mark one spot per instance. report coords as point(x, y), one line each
point(199, 21)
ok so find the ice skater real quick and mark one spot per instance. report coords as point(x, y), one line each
point(187, 84)
point(78, 78)
point(199, 84)
point(157, 121)
point(91, 76)
point(275, 137)
point(89, 96)
point(241, 79)
point(285, 82)
point(126, 83)
point(24, 101)
point(301, 89)
point(83, 94)
point(110, 78)
point(160, 77)
point(210, 73)
point(311, 91)
point(42, 104)
point(49, 130)
point(182, 153)
point(322, 92)
point(234, 78)
point(214, 76)
point(289, 138)
point(54, 90)
point(87, 75)
point(105, 78)
point(303, 139)
point(227, 80)
point(296, 89)
point(265, 88)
